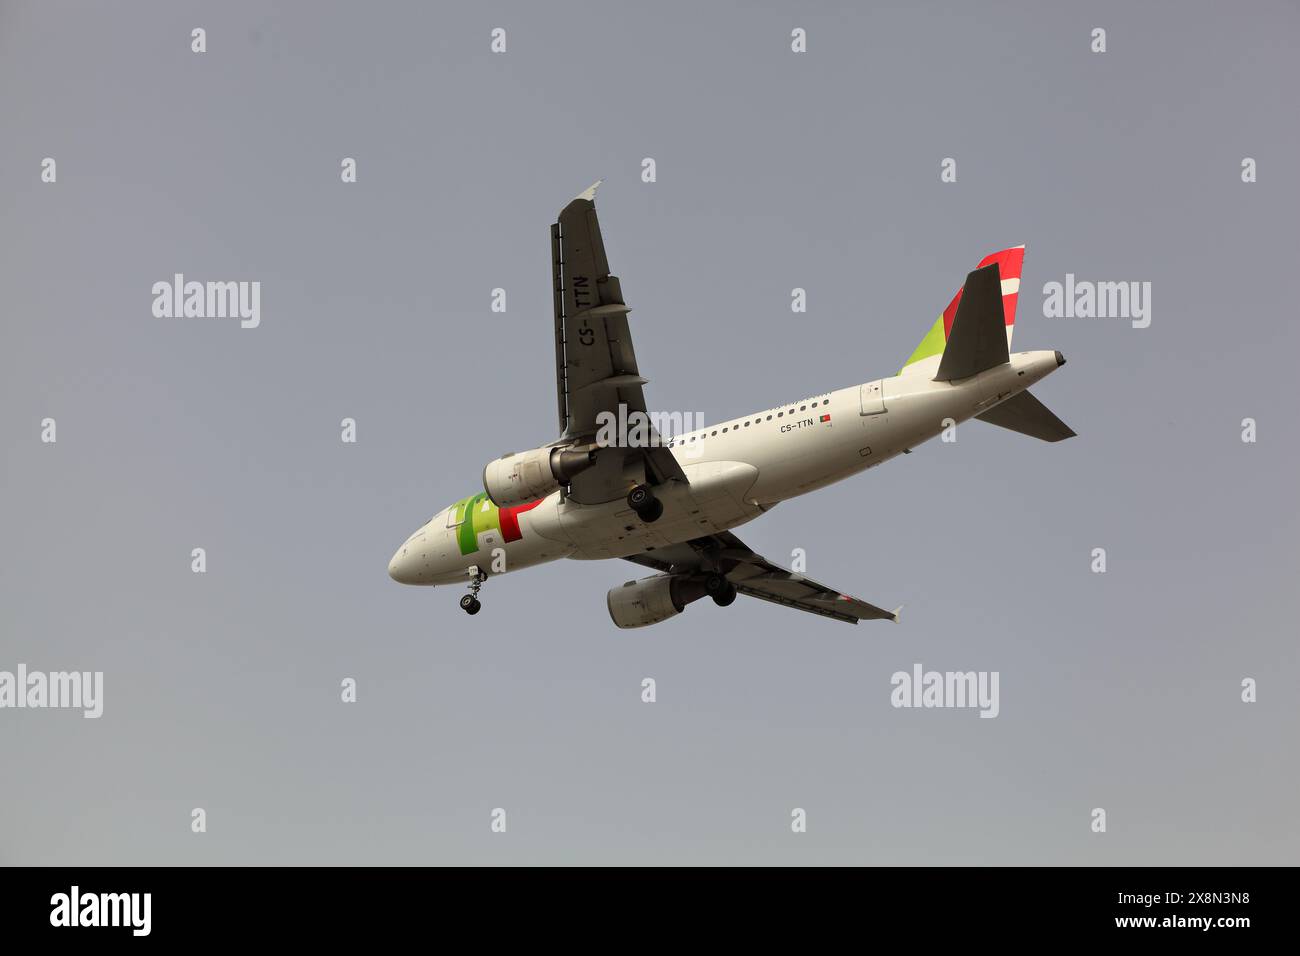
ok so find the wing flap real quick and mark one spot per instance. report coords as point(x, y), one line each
point(755, 576)
point(811, 608)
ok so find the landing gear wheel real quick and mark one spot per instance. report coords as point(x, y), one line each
point(639, 497)
point(720, 589)
point(470, 604)
point(725, 598)
point(653, 512)
point(643, 501)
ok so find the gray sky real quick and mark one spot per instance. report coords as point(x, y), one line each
point(775, 170)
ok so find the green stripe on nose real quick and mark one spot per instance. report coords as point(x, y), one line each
point(481, 514)
point(465, 536)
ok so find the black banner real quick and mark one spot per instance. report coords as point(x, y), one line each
point(235, 904)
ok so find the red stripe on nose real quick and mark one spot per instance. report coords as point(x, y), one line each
point(510, 520)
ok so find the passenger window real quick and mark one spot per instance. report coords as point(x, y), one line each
point(769, 418)
point(803, 408)
point(778, 414)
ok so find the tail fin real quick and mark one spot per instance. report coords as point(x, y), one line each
point(927, 355)
point(977, 339)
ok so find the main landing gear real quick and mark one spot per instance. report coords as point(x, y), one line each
point(470, 603)
point(720, 589)
point(643, 501)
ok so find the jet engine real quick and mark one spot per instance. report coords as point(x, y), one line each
point(654, 599)
point(524, 476)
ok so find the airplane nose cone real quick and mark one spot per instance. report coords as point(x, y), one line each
point(400, 568)
point(1060, 359)
point(416, 561)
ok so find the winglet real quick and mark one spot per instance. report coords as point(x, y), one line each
point(589, 193)
point(893, 615)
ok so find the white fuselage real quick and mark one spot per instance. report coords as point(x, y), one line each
point(736, 470)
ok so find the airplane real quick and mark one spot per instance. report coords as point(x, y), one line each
point(669, 504)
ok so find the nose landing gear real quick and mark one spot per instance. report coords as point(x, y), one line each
point(470, 603)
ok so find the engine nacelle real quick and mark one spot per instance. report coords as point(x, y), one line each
point(651, 600)
point(525, 476)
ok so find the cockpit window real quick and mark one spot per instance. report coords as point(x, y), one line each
point(456, 515)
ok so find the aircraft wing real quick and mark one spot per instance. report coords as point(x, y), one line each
point(757, 577)
point(595, 364)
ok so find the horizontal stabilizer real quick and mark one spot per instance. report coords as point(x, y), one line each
point(978, 339)
point(1029, 416)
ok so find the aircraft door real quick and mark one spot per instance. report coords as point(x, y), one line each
point(873, 398)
